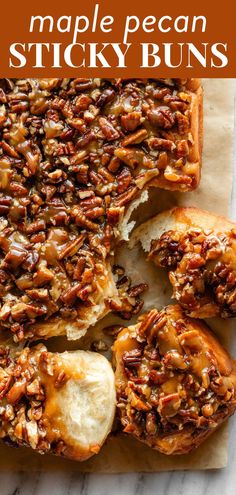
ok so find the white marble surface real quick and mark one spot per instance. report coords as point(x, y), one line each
point(216, 482)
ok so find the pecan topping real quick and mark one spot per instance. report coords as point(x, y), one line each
point(108, 129)
point(200, 271)
point(172, 387)
point(161, 117)
point(74, 154)
point(131, 121)
point(23, 395)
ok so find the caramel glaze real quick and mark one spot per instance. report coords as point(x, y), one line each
point(175, 383)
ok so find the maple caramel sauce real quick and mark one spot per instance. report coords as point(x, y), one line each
point(5, 174)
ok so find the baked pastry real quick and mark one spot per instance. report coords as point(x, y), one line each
point(175, 382)
point(164, 117)
point(56, 403)
point(74, 154)
point(199, 250)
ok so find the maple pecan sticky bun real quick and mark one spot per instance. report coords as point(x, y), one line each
point(198, 248)
point(62, 404)
point(175, 382)
point(74, 154)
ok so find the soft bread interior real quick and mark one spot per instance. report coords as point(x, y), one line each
point(179, 219)
point(127, 223)
point(83, 409)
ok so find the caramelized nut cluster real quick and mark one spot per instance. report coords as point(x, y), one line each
point(202, 270)
point(129, 303)
point(175, 383)
point(22, 396)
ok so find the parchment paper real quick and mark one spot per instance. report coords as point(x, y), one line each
point(122, 453)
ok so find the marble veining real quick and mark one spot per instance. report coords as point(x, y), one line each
point(176, 483)
point(212, 482)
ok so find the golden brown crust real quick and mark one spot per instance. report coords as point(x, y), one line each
point(175, 382)
point(195, 217)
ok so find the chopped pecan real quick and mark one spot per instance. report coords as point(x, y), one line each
point(135, 138)
point(108, 129)
point(42, 276)
point(127, 196)
point(82, 102)
point(70, 295)
point(130, 156)
point(161, 144)
point(124, 180)
point(9, 150)
point(105, 97)
point(169, 405)
point(16, 392)
point(15, 257)
point(82, 84)
point(131, 121)
point(132, 358)
point(38, 294)
point(161, 117)
point(71, 247)
point(18, 189)
point(182, 148)
point(183, 123)
point(35, 226)
point(22, 311)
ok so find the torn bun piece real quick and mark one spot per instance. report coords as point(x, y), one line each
point(183, 172)
point(62, 404)
point(168, 138)
point(175, 382)
point(199, 250)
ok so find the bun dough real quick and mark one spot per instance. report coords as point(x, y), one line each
point(60, 403)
